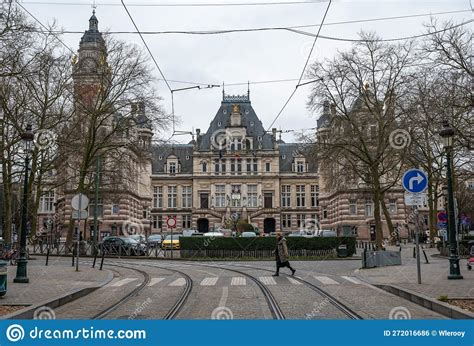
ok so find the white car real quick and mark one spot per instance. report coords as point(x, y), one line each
point(189, 232)
point(248, 235)
point(213, 234)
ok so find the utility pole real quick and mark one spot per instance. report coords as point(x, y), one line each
point(96, 203)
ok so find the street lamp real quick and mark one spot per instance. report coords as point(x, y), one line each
point(447, 134)
point(21, 270)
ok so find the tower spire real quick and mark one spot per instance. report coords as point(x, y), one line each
point(248, 90)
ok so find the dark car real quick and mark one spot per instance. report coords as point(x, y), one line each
point(155, 240)
point(124, 246)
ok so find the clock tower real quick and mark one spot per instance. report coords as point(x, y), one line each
point(90, 66)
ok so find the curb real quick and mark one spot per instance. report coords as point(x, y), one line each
point(442, 308)
point(28, 313)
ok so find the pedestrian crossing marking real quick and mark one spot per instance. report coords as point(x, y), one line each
point(154, 281)
point(238, 281)
point(351, 279)
point(326, 281)
point(209, 281)
point(294, 281)
point(178, 282)
point(267, 280)
point(123, 282)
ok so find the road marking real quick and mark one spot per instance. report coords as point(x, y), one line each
point(294, 281)
point(209, 281)
point(225, 295)
point(154, 281)
point(178, 282)
point(326, 281)
point(267, 280)
point(123, 282)
point(238, 281)
point(351, 279)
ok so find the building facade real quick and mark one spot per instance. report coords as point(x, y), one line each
point(234, 170)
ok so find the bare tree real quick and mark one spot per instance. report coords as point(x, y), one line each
point(359, 147)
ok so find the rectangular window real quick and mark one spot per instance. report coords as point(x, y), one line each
point(300, 166)
point(232, 166)
point(392, 206)
point(325, 213)
point(223, 166)
point(115, 208)
point(369, 208)
point(267, 166)
point(217, 166)
point(268, 200)
point(252, 196)
point(158, 197)
point(300, 220)
point(187, 197)
point(204, 198)
point(172, 196)
point(187, 219)
point(158, 222)
point(286, 195)
point(314, 195)
point(300, 195)
point(220, 196)
point(352, 207)
point(204, 167)
point(100, 208)
point(172, 168)
point(239, 166)
point(286, 221)
point(47, 202)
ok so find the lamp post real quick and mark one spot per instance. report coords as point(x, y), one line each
point(21, 270)
point(447, 134)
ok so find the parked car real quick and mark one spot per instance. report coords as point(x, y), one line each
point(155, 240)
point(213, 234)
point(125, 246)
point(189, 232)
point(327, 233)
point(171, 242)
point(139, 238)
point(248, 235)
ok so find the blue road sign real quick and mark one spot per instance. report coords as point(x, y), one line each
point(415, 181)
point(442, 225)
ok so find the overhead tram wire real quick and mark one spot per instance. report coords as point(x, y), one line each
point(203, 4)
point(304, 68)
point(48, 30)
point(289, 28)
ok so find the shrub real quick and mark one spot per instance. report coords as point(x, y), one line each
point(266, 243)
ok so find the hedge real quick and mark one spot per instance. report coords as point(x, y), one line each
point(266, 243)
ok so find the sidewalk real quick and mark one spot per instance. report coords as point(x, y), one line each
point(50, 283)
point(433, 277)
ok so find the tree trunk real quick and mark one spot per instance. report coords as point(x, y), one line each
point(388, 218)
point(377, 215)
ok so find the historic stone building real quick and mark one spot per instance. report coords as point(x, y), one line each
point(236, 168)
point(347, 207)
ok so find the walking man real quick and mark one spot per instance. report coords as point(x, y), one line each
point(281, 255)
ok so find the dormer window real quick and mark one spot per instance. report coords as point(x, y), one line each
point(160, 157)
point(252, 123)
point(300, 166)
point(219, 123)
point(172, 168)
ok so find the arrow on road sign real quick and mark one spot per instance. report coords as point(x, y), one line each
point(415, 181)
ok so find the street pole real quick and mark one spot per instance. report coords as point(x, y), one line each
point(96, 210)
point(454, 270)
point(417, 240)
point(78, 232)
point(21, 270)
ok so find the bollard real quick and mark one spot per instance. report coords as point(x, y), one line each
point(72, 259)
point(95, 258)
point(102, 260)
point(47, 257)
point(426, 257)
point(414, 253)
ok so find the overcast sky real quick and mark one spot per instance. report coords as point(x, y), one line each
point(241, 57)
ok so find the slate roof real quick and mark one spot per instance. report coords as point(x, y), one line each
point(93, 34)
point(184, 153)
point(255, 129)
point(250, 120)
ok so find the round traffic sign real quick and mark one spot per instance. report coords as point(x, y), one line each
point(80, 197)
point(415, 181)
point(171, 222)
point(442, 216)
